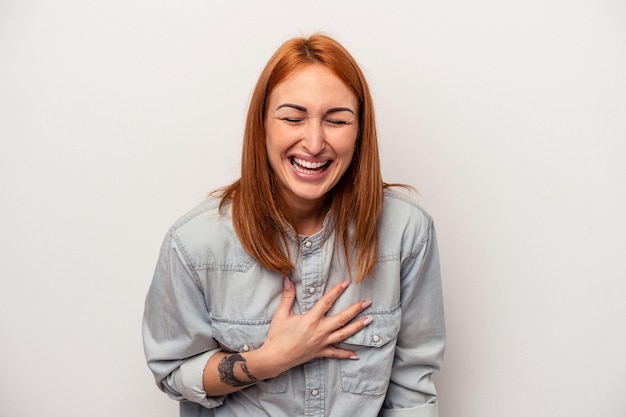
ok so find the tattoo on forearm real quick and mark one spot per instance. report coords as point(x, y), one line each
point(226, 370)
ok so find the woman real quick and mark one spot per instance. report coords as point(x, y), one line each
point(308, 286)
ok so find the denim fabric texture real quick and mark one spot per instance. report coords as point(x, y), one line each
point(209, 295)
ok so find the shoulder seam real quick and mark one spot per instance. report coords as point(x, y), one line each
point(398, 196)
point(185, 253)
point(201, 208)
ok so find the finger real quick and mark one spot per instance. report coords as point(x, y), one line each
point(326, 302)
point(338, 353)
point(287, 298)
point(351, 329)
point(342, 318)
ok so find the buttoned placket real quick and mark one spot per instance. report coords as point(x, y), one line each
point(312, 282)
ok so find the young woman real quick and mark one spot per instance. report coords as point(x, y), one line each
point(308, 287)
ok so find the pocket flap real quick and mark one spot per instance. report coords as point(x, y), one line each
point(240, 335)
point(380, 331)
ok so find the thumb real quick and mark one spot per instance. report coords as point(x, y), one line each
point(287, 298)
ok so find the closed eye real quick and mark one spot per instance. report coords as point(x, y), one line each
point(337, 122)
point(292, 120)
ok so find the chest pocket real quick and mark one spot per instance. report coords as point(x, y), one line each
point(375, 345)
point(242, 336)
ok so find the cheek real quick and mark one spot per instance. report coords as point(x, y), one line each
point(279, 138)
point(272, 143)
point(346, 148)
point(273, 154)
point(349, 157)
point(276, 146)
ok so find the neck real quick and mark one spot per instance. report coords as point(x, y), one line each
point(309, 219)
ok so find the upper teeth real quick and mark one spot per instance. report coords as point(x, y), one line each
point(309, 164)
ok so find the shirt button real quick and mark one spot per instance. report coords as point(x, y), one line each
point(245, 348)
point(308, 243)
point(312, 290)
point(315, 393)
point(376, 338)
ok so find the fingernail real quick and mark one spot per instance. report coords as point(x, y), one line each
point(366, 304)
point(286, 283)
point(354, 357)
point(367, 321)
point(345, 283)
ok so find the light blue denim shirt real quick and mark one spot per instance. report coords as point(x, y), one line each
point(209, 295)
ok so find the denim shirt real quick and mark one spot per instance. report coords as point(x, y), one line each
point(209, 295)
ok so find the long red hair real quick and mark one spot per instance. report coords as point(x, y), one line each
point(259, 214)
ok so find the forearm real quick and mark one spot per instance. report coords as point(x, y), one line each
point(226, 373)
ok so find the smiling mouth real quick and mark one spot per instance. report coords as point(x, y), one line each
point(308, 167)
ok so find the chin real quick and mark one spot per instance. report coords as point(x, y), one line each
point(312, 196)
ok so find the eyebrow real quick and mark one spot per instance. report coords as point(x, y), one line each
point(304, 109)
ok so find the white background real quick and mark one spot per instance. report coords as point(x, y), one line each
point(509, 117)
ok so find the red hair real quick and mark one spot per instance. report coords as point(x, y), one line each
point(259, 214)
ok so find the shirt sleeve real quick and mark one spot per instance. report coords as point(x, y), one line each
point(177, 333)
point(421, 341)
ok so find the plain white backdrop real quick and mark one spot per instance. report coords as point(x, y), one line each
point(508, 116)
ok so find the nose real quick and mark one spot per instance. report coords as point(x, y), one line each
point(314, 138)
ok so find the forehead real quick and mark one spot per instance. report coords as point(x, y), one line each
point(313, 85)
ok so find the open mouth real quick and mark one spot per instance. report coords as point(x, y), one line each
point(308, 167)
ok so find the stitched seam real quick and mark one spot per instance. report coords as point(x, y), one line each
point(247, 322)
point(192, 214)
point(380, 312)
point(398, 196)
point(185, 253)
point(214, 266)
